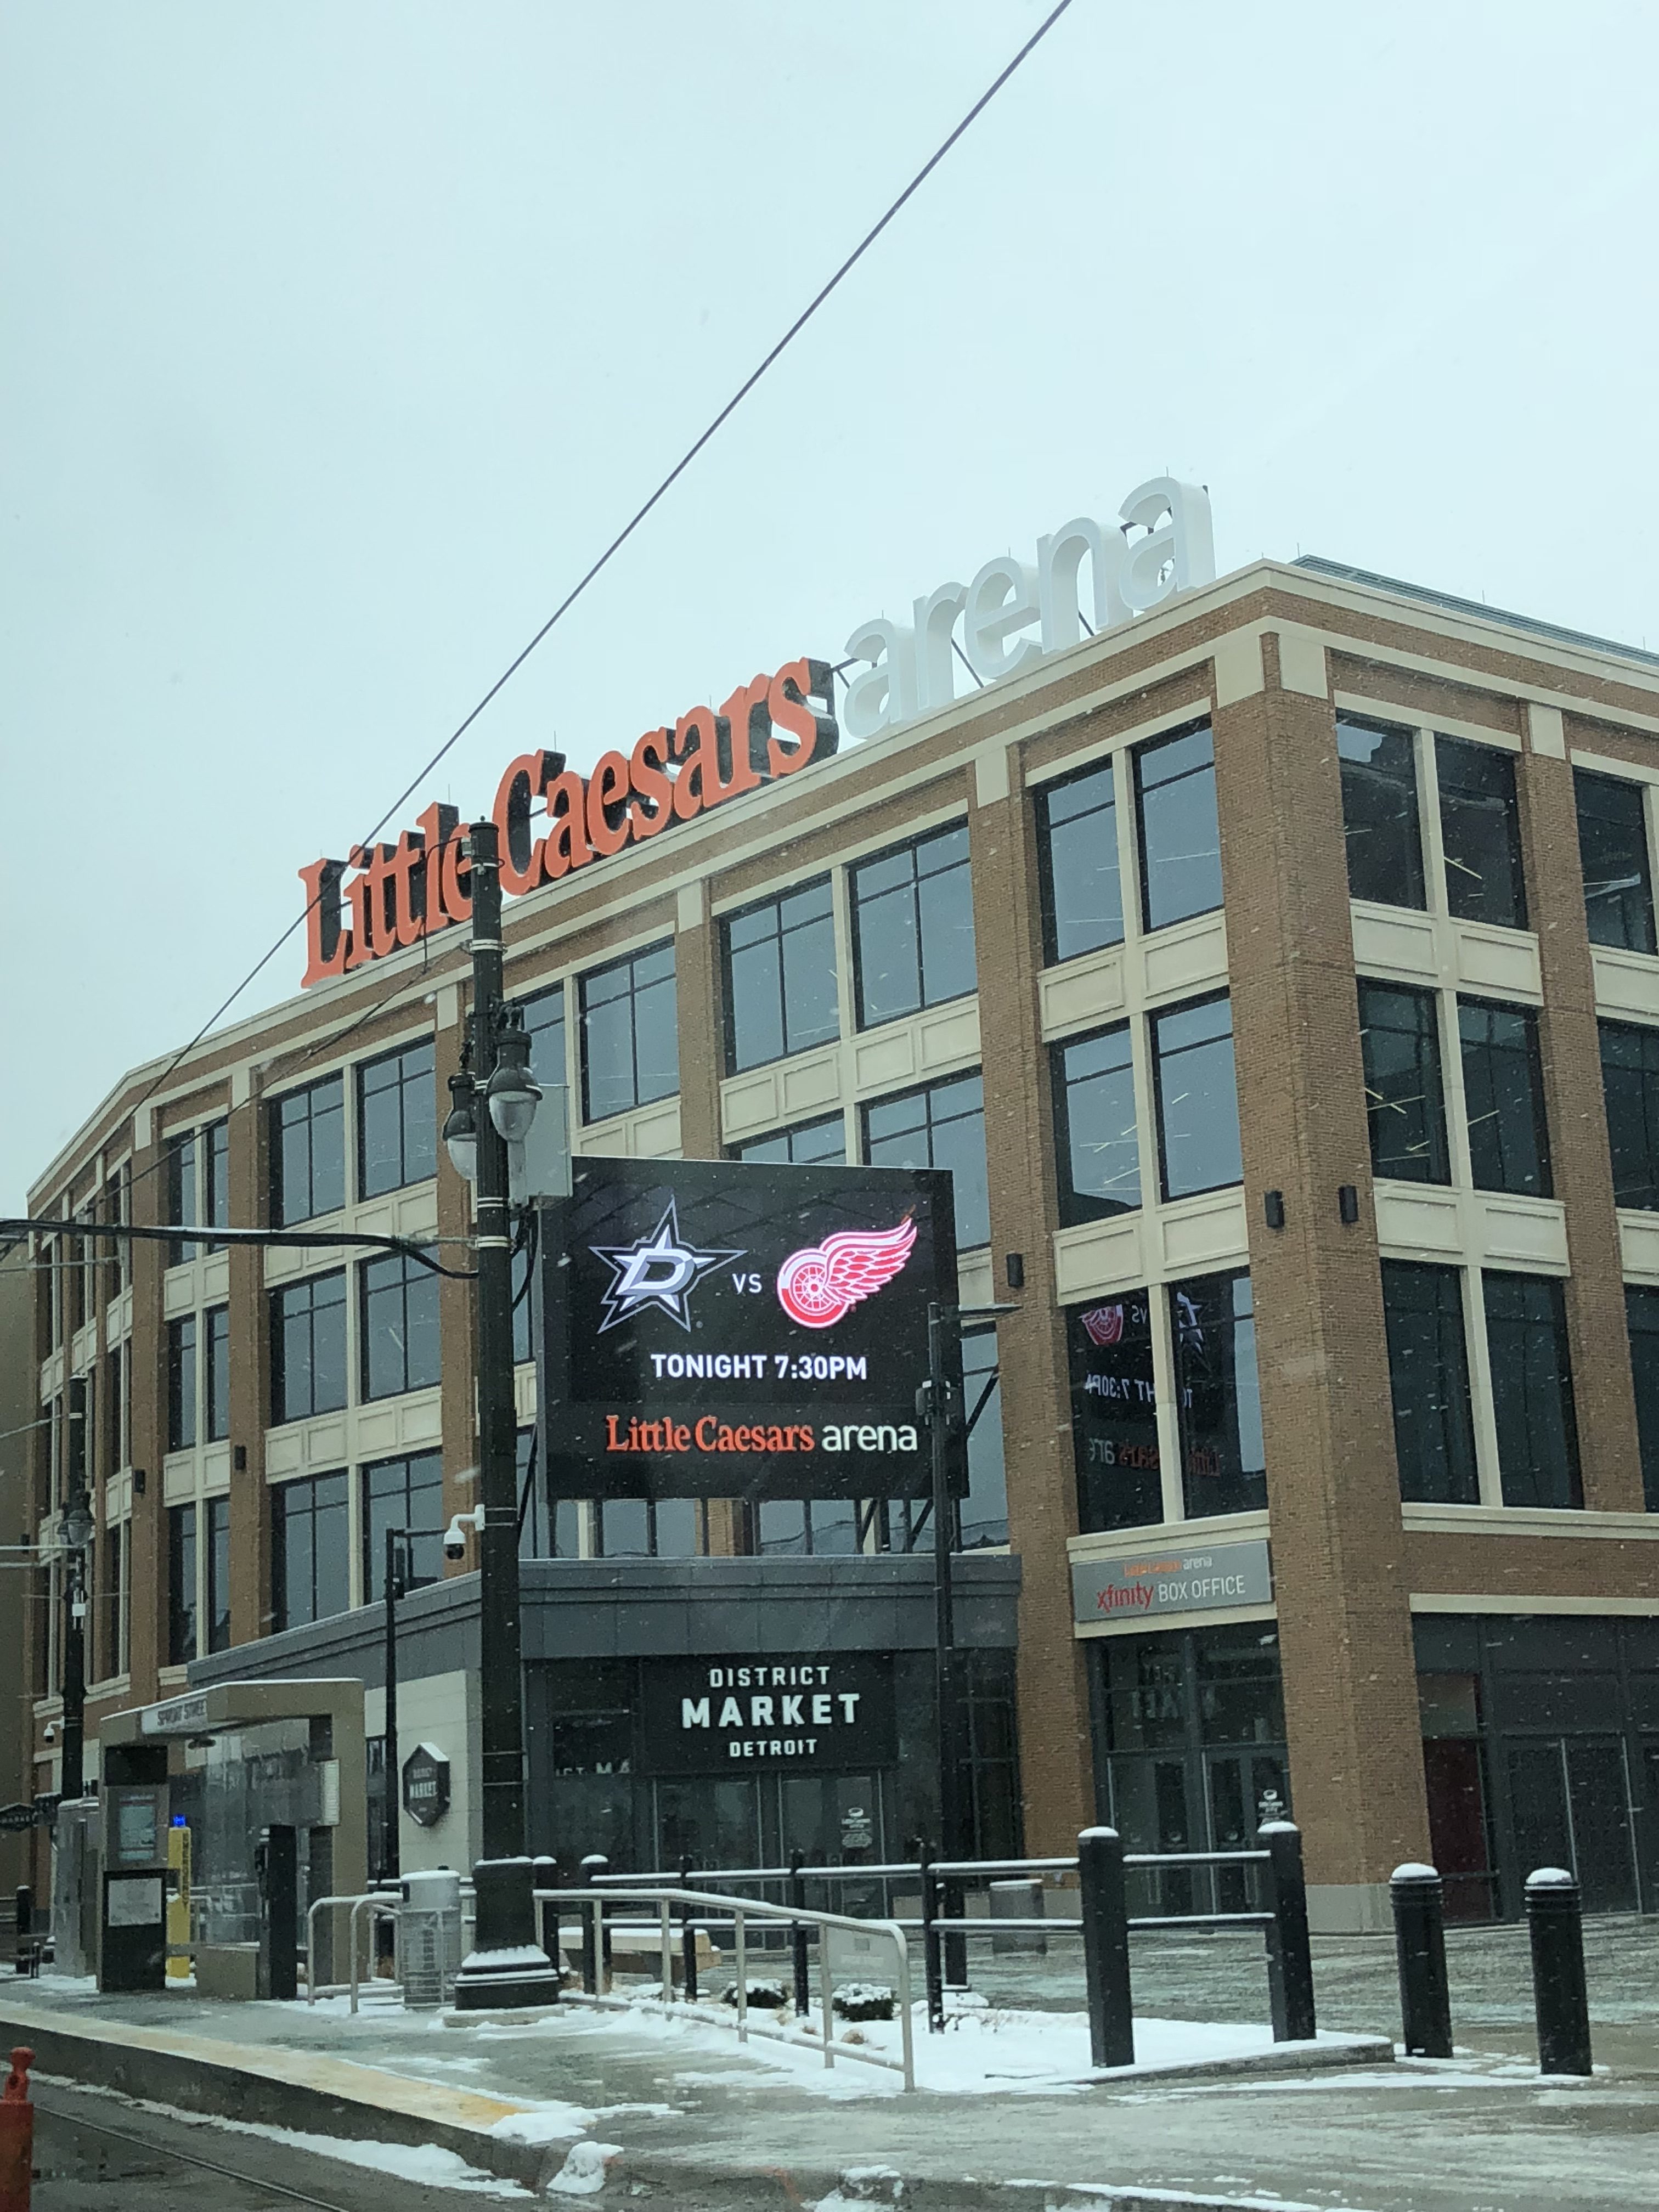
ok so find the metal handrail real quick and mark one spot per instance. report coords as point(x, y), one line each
point(739, 1910)
point(387, 1905)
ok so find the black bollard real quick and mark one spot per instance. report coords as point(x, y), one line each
point(1560, 2000)
point(596, 1955)
point(1420, 1943)
point(1106, 1947)
point(797, 1936)
point(1290, 1953)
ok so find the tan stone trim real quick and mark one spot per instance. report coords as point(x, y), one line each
point(1519, 1603)
point(1385, 710)
point(1119, 741)
point(1527, 1521)
point(1218, 1528)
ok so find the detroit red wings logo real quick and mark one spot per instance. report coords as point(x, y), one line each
point(1104, 1325)
point(818, 1286)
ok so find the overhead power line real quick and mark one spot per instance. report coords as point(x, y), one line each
point(637, 517)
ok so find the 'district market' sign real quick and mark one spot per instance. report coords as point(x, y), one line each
point(712, 1329)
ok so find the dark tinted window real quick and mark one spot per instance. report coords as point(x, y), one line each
point(218, 1574)
point(941, 1127)
point(642, 1528)
point(217, 1373)
point(181, 1384)
point(182, 1584)
point(396, 1120)
point(1480, 833)
point(1612, 851)
point(403, 1494)
point(536, 1540)
point(215, 1178)
point(1630, 1083)
point(1429, 1381)
point(1180, 839)
point(1097, 1145)
point(1077, 856)
point(792, 1527)
point(1531, 1390)
point(1405, 1104)
point(308, 1348)
point(544, 1022)
point(310, 1549)
point(1197, 1098)
point(400, 1344)
point(308, 1152)
point(1504, 1093)
point(779, 977)
point(1114, 1413)
point(630, 1045)
point(1380, 823)
point(913, 928)
point(182, 1208)
point(1641, 1314)
point(809, 1144)
point(1223, 1467)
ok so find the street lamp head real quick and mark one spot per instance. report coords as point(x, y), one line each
point(77, 1522)
point(461, 1129)
point(513, 1092)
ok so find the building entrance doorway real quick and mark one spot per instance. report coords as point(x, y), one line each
point(724, 1822)
point(1572, 1807)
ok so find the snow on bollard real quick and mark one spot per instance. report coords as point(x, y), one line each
point(16, 2135)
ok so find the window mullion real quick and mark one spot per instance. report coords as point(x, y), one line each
point(1428, 812)
point(1448, 1018)
point(1487, 1468)
point(1170, 1488)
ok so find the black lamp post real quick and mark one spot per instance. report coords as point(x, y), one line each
point(495, 1099)
point(391, 1842)
point(76, 1534)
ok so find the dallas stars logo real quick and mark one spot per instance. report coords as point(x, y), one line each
point(660, 1270)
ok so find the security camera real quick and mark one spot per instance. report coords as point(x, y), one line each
point(50, 1732)
point(455, 1535)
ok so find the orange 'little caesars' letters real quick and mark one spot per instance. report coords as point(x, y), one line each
point(769, 728)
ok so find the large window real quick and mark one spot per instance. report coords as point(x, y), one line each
point(310, 1549)
point(308, 1152)
point(181, 1384)
point(543, 1023)
point(795, 1526)
point(1630, 1085)
point(216, 1374)
point(403, 1494)
point(809, 1144)
point(780, 959)
point(218, 1574)
point(1504, 1094)
point(1180, 839)
point(646, 1528)
point(400, 1346)
point(1096, 1146)
point(182, 1209)
point(913, 928)
point(630, 1044)
point(1405, 1104)
point(396, 1120)
point(216, 1179)
point(1612, 851)
point(1531, 1390)
point(182, 1584)
point(1480, 833)
point(1197, 1098)
point(1429, 1381)
point(982, 1514)
point(1114, 1413)
point(1078, 865)
point(308, 1348)
point(1223, 1463)
point(1642, 1316)
point(1379, 813)
point(941, 1127)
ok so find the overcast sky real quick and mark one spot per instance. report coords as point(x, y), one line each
point(339, 339)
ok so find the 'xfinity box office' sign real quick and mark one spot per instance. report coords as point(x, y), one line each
point(715, 1329)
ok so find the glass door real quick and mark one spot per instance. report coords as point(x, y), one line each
point(1571, 1802)
point(1243, 1789)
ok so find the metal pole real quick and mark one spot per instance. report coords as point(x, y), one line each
point(1106, 1947)
point(1290, 1953)
point(952, 1843)
point(501, 1970)
point(72, 1780)
point(1419, 1942)
point(798, 1937)
point(392, 1841)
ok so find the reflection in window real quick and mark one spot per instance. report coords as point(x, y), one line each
point(1642, 1317)
point(913, 928)
point(1404, 1106)
point(646, 1528)
point(1180, 838)
point(797, 1527)
point(1504, 1094)
point(1531, 1390)
point(630, 1044)
point(403, 1494)
point(1630, 1086)
point(1114, 1413)
point(1223, 1465)
point(308, 1152)
point(400, 1345)
point(982, 1514)
point(1429, 1381)
point(809, 1144)
point(182, 1584)
point(1076, 852)
point(1480, 833)
point(1096, 1146)
point(1612, 851)
point(396, 1120)
point(308, 1348)
point(780, 960)
point(1197, 1098)
point(941, 1127)
point(310, 1549)
point(1380, 823)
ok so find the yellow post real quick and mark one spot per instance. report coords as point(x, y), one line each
point(178, 1969)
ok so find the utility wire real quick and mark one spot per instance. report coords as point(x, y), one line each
point(638, 515)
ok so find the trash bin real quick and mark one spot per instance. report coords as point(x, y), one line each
point(430, 1935)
